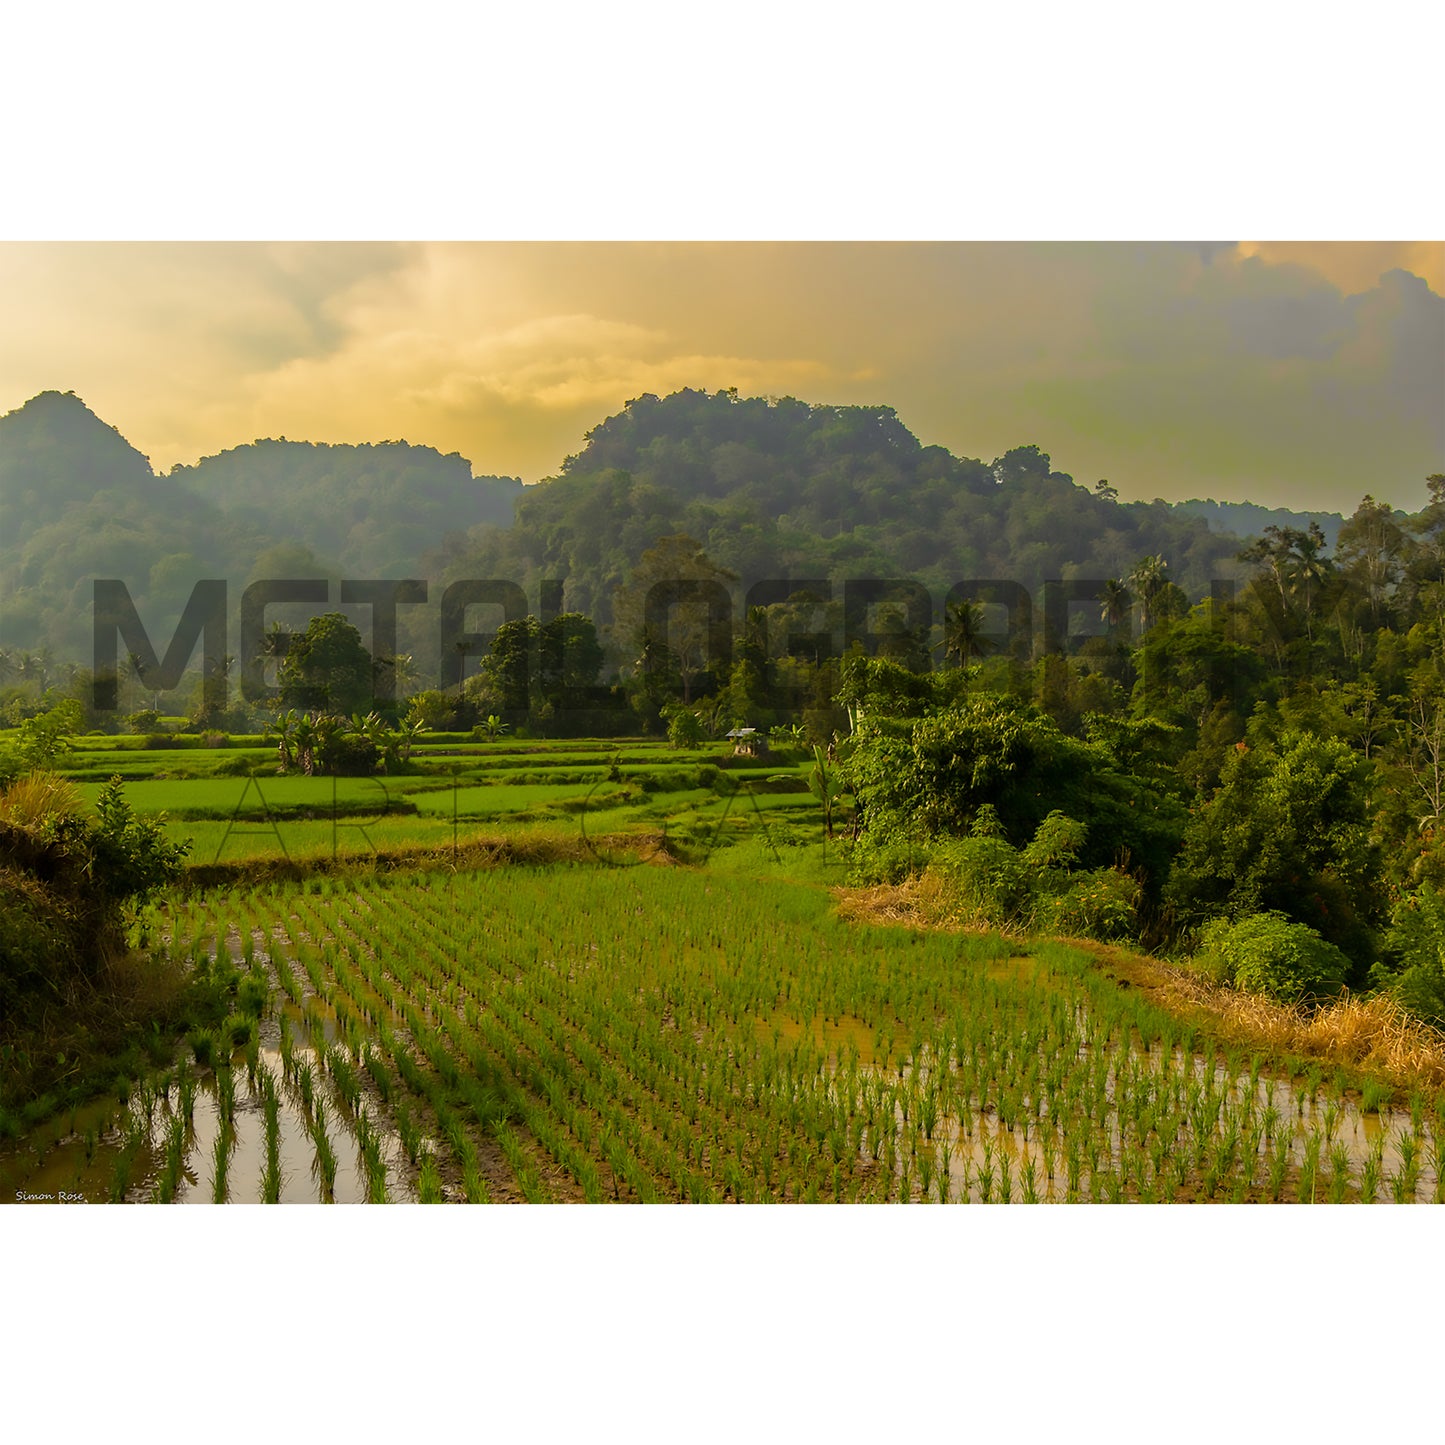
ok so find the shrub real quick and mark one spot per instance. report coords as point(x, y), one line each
point(684, 728)
point(989, 880)
point(1413, 966)
point(1267, 954)
point(348, 755)
point(1102, 904)
point(1056, 842)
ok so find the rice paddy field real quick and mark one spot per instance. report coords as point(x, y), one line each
point(234, 808)
point(586, 1032)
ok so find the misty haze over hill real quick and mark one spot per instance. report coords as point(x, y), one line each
point(771, 488)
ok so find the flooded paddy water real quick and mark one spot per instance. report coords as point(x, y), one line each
point(271, 1123)
point(501, 1047)
point(1158, 1128)
point(108, 1151)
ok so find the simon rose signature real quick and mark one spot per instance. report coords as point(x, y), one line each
point(61, 1196)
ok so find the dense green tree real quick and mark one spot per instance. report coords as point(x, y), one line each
point(327, 668)
point(677, 586)
point(925, 778)
point(1287, 831)
point(570, 660)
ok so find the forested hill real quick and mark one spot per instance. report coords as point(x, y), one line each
point(373, 509)
point(77, 502)
point(770, 487)
point(780, 488)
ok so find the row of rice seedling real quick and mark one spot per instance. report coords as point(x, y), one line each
point(679, 1035)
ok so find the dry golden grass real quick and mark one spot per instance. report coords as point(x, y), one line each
point(28, 801)
point(914, 903)
point(1374, 1033)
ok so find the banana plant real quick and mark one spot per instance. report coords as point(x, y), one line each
point(283, 729)
point(825, 787)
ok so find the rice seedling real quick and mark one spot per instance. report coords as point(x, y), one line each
point(271, 1110)
point(1278, 1167)
point(473, 1185)
point(170, 1178)
point(186, 1096)
point(148, 1102)
point(1371, 1172)
point(343, 1075)
point(203, 1046)
point(131, 1143)
point(985, 1174)
point(429, 1183)
point(325, 1154)
point(1374, 1096)
point(1400, 1189)
point(252, 995)
point(1030, 1180)
point(226, 1095)
point(1408, 1145)
point(1309, 1167)
point(1339, 1180)
point(238, 1031)
point(306, 1085)
point(376, 1068)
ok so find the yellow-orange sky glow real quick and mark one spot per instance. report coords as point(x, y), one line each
point(1294, 374)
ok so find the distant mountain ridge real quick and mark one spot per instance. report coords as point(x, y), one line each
point(1249, 519)
point(780, 488)
point(770, 487)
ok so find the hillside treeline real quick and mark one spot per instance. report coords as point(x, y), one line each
point(769, 488)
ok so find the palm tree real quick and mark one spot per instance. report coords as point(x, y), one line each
point(32, 669)
point(1114, 603)
point(1309, 570)
point(712, 715)
point(963, 634)
point(1148, 581)
point(407, 734)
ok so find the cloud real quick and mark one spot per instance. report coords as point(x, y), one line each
point(1304, 373)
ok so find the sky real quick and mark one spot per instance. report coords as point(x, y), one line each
point(1300, 375)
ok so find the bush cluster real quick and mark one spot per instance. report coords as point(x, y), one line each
point(1266, 953)
point(1038, 888)
point(67, 885)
